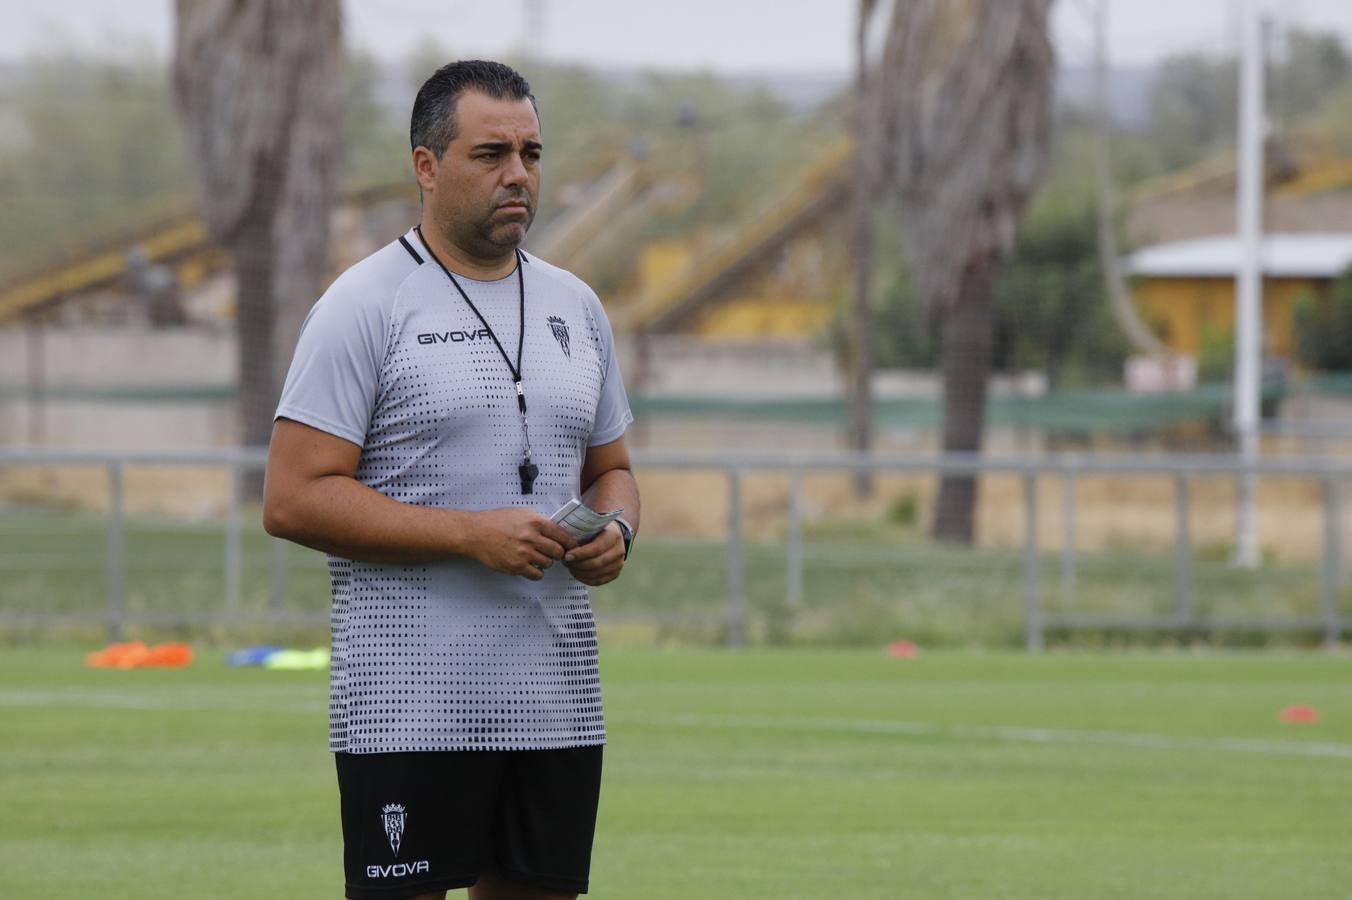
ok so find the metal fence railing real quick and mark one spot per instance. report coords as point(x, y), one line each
point(1183, 613)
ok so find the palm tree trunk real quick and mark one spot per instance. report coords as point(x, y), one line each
point(255, 315)
point(860, 355)
point(255, 346)
point(259, 85)
point(967, 343)
point(1133, 327)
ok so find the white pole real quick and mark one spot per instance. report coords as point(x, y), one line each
point(1249, 278)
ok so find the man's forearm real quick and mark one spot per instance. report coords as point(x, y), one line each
point(340, 515)
point(615, 488)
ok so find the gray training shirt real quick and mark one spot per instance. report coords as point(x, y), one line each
point(452, 655)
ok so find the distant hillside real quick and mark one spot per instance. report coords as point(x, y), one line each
point(803, 92)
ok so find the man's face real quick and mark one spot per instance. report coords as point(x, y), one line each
point(484, 188)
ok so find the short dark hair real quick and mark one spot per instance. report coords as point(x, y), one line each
point(433, 122)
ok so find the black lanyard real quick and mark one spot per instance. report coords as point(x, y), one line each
point(527, 470)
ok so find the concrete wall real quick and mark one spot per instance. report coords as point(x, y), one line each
point(96, 357)
point(85, 374)
point(679, 366)
point(89, 374)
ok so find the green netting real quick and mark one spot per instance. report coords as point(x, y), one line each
point(1084, 411)
point(1336, 383)
point(1080, 411)
point(154, 393)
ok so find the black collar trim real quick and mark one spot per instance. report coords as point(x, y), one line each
point(411, 252)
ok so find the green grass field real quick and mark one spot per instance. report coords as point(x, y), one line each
point(766, 773)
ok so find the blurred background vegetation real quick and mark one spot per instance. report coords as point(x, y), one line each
point(91, 143)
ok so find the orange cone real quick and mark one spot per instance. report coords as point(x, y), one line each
point(136, 655)
point(174, 655)
point(123, 655)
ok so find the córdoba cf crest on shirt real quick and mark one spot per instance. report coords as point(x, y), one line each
point(560, 329)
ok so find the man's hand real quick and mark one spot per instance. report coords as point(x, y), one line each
point(519, 541)
point(600, 560)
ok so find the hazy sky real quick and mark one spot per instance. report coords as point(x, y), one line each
point(725, 35)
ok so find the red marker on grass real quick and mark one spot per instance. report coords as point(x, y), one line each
point(1300, 714)
point(903, 650)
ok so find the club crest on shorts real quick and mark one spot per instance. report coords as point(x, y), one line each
point(393, 817)
point(560, 329)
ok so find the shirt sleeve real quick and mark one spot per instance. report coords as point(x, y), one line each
point(335, 374)
point(613, 415)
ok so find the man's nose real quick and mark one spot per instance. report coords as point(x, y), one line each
point(514, 173)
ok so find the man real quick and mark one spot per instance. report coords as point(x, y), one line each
point(448, 394)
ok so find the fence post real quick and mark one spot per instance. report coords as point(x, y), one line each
point(115, 564)
point(1340, 510)
point(1333, 558)
point(1068, 514)
point(794, 577)
point(233, 552)
point(1032, 593)
point(277, 589)
point(1183, 609)
point(736, 584)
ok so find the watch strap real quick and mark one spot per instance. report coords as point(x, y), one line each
point(626, 532)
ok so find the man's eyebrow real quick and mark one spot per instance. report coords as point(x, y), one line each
point(503, 146)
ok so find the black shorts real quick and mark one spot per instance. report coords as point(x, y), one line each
point(432, 821)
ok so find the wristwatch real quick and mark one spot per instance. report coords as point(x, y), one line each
point(627, 532)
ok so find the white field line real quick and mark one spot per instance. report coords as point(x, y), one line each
point(999, 733)
point(177, 700)
point(298, 703)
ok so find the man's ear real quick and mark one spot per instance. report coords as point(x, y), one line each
point(425, 168)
